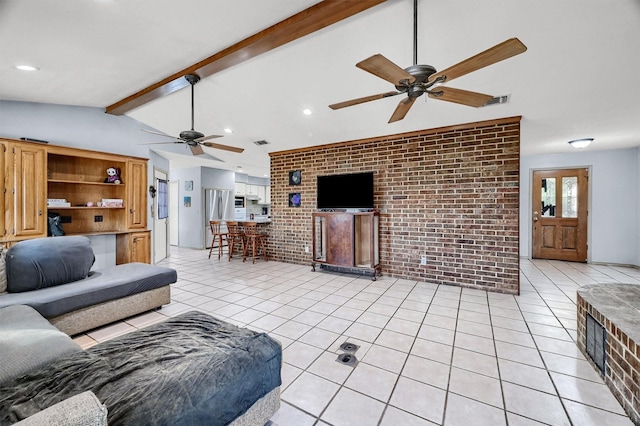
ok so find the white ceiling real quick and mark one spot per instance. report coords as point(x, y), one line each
point(578, 78)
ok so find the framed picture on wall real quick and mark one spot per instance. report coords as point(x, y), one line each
point(294, 199)
point(188, 185)
point(295, 177)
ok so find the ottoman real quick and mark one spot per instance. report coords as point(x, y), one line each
point(193, 369)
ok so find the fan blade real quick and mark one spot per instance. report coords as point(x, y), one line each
point(381, 67)
point(223, 147)
point(402, 109)
point(196, 149)
point(460, 96)
point(363, 100)
point(159, 143)
point(206, 138)
point(497, 53)
point(157, 133)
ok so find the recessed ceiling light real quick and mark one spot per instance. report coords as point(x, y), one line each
point(23, 67)
point(228, 129)
point(581, 143)
point(306, 111)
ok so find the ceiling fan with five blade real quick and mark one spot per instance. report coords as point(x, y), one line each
point(193, 138)
point(417, 80)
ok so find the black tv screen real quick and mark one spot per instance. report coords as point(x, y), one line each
point(350, 191)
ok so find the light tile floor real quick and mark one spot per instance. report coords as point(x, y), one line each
point(428, 354)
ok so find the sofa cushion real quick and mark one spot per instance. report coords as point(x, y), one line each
point(100, 286)
point(28, 342)
point(3, 271)
point(46, 262)
point(83, 409)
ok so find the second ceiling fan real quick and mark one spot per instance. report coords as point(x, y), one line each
point(417, 80)
point(193, 138)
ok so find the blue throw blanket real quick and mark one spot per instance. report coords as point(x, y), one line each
point(189, 370)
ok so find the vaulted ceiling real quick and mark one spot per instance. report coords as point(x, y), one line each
point(578, 78)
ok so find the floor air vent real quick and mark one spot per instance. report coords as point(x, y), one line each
point(347, 359)
point(349, 347)
point(596, 342)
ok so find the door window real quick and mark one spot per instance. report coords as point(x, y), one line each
point(570, 196)
point(163, 199)
point(548, 197)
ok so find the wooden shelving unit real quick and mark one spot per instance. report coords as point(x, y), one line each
point(36, 172)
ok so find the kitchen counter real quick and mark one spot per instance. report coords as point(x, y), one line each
point(256, 220)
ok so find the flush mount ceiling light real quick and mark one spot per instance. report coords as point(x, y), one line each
point(228, 130)
point(306, 111)
point(23, 67)
point(581, 143)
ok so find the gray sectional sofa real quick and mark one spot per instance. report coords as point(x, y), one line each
point(54, 276)
point(192, 369)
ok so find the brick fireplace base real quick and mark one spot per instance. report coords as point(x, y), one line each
point(616, 308)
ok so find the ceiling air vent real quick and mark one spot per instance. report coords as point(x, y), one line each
point(262, 142)
point(498, 100)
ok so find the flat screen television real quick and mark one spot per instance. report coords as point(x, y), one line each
point(349, 191)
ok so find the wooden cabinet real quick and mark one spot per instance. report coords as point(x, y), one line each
point(3, 190)
point(348, 240)
point(25, 191)
point(32, 173)
point(137, 193)
point(133, 247)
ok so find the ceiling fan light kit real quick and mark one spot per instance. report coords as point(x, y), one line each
point(416, 80)
point(192, 138)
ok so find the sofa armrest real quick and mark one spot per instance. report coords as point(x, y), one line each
point(80, 410)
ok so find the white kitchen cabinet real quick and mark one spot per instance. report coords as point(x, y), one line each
point(252, 190)
point(240, 189)
point(262, 194)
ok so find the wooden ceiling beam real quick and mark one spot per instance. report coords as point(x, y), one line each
point(312, 19)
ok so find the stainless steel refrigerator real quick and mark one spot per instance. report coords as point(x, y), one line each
point(218, 204)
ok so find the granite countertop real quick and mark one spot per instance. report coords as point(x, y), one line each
point(620, 303)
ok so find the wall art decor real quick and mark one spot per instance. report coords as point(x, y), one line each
point(294, 199)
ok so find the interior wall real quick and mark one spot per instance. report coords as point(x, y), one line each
point(613, 205)
point(637, 207)
point(218, 178)
point(163, 164)
point(190, 216)
point(450, 194)
point(73, 126)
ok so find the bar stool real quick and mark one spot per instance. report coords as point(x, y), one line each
point(234, 234)
point(218, 236)
point(254, 239)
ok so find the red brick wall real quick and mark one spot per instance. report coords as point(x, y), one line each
point(622, 371)
point(450, 193)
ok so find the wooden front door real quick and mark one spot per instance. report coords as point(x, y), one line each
point(559, 214)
